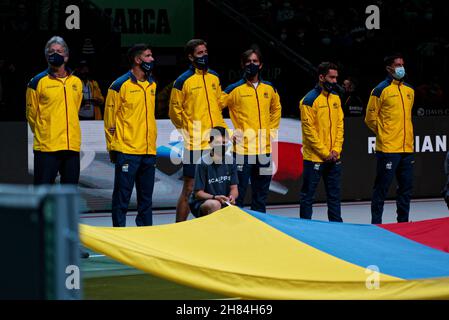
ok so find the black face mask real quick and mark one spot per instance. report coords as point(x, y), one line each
point(251, 70)
point(334, 87)
point(147, 67)
point(55, 59)
point(201, 63)
point(329, 86)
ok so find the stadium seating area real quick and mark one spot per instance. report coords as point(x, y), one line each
point(316, 30)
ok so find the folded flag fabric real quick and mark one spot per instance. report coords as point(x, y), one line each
point(247, 254)
point(433, 233)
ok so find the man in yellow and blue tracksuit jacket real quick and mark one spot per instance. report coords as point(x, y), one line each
point(389, 116)
point(53, 99)
point(195, 109)
point(322, 137)
point(130, 129)
point(255, 110)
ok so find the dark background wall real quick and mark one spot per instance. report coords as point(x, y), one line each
point(317, 30)
point(13, 153)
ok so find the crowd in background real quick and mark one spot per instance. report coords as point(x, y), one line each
point(318, 30)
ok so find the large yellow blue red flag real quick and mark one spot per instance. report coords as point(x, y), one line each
point(246, 254)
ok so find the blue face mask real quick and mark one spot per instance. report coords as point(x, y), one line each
point(55, 59)
point(201, 63)
point(251, 70)
point(399, 73)
point(147, 67)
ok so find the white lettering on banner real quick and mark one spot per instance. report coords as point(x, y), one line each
point(441, 144)
point(427, 144)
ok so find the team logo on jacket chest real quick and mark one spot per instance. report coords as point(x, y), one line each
point(214, 86)
point(74, 87)
point(409, 96)
point(265, 95)
point(335, 105)
point(152, 92)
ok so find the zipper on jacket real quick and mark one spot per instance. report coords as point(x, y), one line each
point(330, 119)
point(66, 109)
point(258, 109)
point(403, 109)
point(208, 104)
point(146, 113)
point(66, 117)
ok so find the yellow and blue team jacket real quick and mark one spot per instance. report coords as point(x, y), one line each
point(130, 109)
point(255, 111)
point(322, 124)
point(195, 106)
point(52, 106)
point(389, 116)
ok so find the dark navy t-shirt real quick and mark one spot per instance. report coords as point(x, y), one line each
point(215, 179)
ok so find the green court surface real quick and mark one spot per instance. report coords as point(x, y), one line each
point(107, 279)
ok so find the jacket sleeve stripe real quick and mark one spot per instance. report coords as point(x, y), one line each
point(179, 83)
point(117, 84)
point(231, 87)
point(35, 81)
point(310, 97)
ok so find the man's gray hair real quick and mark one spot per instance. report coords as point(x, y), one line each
point(58, 40)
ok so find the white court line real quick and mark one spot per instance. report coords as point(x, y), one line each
point(96, 256)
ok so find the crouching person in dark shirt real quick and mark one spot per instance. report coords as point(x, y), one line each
point(215, 176)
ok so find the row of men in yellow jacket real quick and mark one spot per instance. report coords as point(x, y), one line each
point(388, 115)
point(53, 99)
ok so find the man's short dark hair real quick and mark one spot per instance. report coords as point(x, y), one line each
point(136, 50)
point(245, 55)
point(388, 60)
point(192, 44)
point(324, 67)
point(218, 131)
